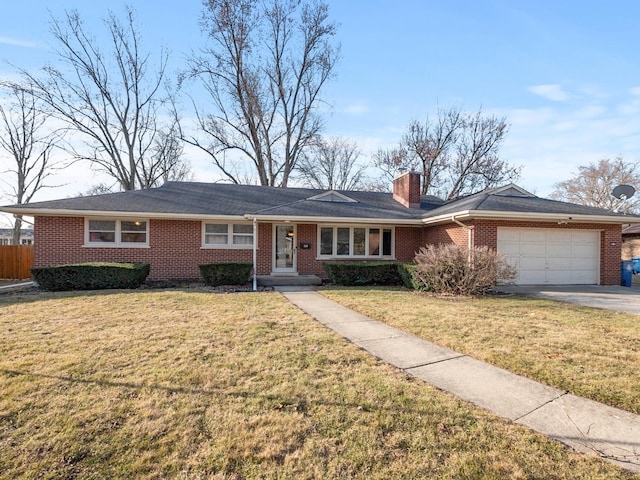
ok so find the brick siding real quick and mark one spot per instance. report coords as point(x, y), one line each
point(175, 245)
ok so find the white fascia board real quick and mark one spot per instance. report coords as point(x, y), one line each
point(53, 212)
point(345, 220)
point(528, 216)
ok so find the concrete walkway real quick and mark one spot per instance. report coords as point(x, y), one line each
point(587, 426)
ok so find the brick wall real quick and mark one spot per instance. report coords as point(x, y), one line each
point(448, 233)
point(307, 263)
point(408, 241)
point(175, 247)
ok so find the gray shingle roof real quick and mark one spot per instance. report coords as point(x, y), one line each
point(191, 198)
point(499, 202)
point(216, 199)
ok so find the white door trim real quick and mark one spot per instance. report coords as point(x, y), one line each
point(285, 261)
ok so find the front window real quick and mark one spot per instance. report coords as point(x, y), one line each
point(242, 234)
point(116, 232)
point(227, 235)
point(326, 241)
point(365, 242)
point(216, 234)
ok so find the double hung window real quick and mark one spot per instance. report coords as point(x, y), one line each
point(117, 232)
point(227, 235)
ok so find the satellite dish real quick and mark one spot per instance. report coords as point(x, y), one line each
point(623, 192)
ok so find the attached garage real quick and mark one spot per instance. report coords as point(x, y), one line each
point(552, 256)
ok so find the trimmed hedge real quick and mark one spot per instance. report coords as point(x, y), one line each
point(91, 276)
point(407, 275)
point(227, 273)
point(363, 273)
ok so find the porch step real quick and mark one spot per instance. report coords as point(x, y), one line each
point(288, 280)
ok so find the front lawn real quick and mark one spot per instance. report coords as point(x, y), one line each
point(589, 352)
point(192, 385)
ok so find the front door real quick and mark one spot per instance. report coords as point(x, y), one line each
point(284, 254)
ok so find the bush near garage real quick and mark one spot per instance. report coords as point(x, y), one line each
point(91, 276)
point(452, 269)
point(226, 273)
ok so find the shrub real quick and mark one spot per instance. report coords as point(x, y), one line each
point(407, 273)
point(228, 273)
point(452, 269)
point(91, 276)
point(363, 273)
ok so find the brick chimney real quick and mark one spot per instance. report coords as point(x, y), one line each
point(406, 189)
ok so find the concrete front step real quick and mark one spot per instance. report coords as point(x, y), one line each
point(288, 280)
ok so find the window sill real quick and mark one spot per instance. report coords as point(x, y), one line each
point(226, 247)
point(347, 257)
point(115, 245)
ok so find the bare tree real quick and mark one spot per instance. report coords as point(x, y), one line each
point(457, 153)
point(111, 95)
point(332, 164)
point(263, 71)
point(593, 185)
point(28, 142)
point(390, 161)
point(163, 162)
point(476, 164)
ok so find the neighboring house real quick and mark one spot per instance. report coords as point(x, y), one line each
point(630, 241)
point(180, 225)
point(6, 236)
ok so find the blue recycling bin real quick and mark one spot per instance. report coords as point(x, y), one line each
point(636, 265)
point(627, 273)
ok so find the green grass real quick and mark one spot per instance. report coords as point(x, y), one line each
point(589, 352)
point(190, 384)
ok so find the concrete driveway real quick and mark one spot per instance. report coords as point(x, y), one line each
point(619, 299)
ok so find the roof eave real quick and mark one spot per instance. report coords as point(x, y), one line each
point(55, 212)
point(529, 216)
point(314, 219)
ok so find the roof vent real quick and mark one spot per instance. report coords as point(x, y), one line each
point(332, 196)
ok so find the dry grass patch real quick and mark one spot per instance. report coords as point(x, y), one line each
point(188, 384)
point(589, 352)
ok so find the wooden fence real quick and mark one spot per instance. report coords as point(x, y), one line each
point(16, 261)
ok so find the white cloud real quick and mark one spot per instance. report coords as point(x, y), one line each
point(529, 117)
point(16, 42)
point(552, 142)
point(554, 92)
point(356, 109)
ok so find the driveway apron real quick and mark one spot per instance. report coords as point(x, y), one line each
point(612, 297)
point(587, 426)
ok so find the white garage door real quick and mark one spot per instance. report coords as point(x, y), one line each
point(552, 256)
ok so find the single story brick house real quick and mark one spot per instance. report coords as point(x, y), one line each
point(290, 232)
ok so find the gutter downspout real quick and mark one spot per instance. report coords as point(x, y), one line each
point(255, 254)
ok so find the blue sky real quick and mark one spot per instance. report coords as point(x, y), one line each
point(566, 74)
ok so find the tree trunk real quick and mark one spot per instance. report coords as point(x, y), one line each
point(17, 227)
